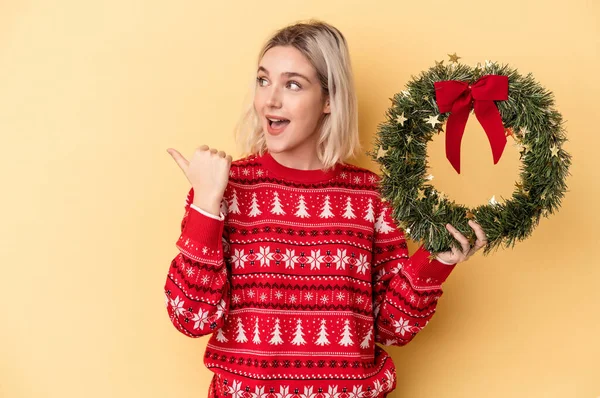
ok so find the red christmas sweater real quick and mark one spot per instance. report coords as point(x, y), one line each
point(296, 280)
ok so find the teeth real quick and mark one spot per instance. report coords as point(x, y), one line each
point(276, 120)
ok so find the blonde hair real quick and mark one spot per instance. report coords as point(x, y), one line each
point(326, 49)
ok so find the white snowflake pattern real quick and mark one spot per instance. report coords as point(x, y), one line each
point(343, 175)
point(372, 178)
point(284, 392)
point(359, 299)
point(177, 306)
point(357, 392)
point(201, 319)
point(332, 392)
point(357, 180)
point(278, 294)
point(189, 271)
point(324, 299)
point(340, 296)
point(259, 392)
point(236, 298)
point(362, 265)
point(238, 258)
point(259, 172)
point(308, 296)
point(236, 390)
point(205, 279)
point(308, 392)
point(246, 172)
point(378, 387)
point(402, 326)
point(251, 293)
point(205, 250)
point(293, 298)
point(412, 298)
point(263, 297)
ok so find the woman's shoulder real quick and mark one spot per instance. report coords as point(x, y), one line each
point(358, 177)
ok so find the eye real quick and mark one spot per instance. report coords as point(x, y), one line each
point(259, 79)
point(293, 82)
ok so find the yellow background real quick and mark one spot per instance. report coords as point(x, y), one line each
point(92, 94)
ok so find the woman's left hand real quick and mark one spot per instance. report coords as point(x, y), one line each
point(457, 256)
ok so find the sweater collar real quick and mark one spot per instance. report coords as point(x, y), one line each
point(291, 174)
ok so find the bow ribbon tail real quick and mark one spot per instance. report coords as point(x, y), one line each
point(455, 129)
point(488, 115)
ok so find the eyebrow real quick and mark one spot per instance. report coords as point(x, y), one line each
point(288, 74)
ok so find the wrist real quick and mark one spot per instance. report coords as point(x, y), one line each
point(209, 206)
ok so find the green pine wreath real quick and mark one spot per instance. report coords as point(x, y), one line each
point(528, 115)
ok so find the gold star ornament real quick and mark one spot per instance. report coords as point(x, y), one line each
point(401, 119)
point(454, 57)
point(433, 120)
point(381, 152)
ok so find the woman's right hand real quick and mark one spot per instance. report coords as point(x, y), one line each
point(208, 172)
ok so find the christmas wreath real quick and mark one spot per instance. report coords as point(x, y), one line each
point(507, 104)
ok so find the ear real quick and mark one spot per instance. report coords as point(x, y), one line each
point(327, 107)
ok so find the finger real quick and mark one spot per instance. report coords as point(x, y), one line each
point(464, 242)
point(478, 231)
point(229, 158)
point(179, 159)
point(213, 150)
point(221, 154)
point(203, 147)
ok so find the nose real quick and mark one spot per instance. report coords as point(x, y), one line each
point(273, 99)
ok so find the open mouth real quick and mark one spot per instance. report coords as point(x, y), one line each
point(277, 123)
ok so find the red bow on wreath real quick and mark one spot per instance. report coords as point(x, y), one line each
point(459, 98)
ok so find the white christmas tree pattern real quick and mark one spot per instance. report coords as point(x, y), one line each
point(381, 225)
point(369, 213)
point(221, 337)
point(298, 334)
point(349, 213)
point(254, 210)
point(276, 334)
point(346, 335)
point(224, 209)
point(241, 333)
point(301, 211)
point(366, 340)
point(326, 209)
point(256, 339)
point(322, 340)
point(234, 205)
point(277, 209)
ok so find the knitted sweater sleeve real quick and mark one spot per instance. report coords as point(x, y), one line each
point(405, 288)
point(197, 286)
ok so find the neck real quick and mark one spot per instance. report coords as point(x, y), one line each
point(306, 162)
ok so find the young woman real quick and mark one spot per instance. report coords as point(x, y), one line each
point(289, 257)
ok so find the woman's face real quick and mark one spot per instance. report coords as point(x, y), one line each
point(287, 87)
